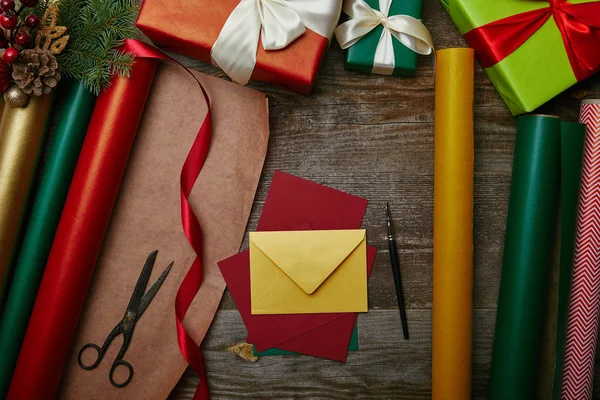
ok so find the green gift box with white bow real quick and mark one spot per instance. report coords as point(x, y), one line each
point(383, 36)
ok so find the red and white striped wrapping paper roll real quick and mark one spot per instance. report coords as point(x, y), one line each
point(584, 305)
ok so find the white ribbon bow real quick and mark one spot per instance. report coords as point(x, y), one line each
point(277, 22)
point(363, 19)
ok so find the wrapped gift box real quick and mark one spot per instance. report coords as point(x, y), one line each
point(361, 56)
point(532, 50)
point(192, 28)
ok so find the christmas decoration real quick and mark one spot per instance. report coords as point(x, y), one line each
point(10, 55)
point(32, 21)
point(51, 37)
point(23, 40)
point(8, 21)
point(97, 29)
point(38, 50)
point(7, 5)
point(36, 72)
point(15, 97)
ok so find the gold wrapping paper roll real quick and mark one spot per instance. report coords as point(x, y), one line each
point(22, 132)
point(453, 225)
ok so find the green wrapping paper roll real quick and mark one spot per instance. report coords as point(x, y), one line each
point(530, 228)
point(73, 118)
point(572, 143)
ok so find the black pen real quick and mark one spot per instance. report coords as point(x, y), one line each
point(396, 271)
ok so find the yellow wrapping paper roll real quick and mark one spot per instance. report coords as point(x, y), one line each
point(22, 131)
point(453, 226)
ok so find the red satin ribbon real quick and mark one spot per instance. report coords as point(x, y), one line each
point(189, 174)
point(579, 25)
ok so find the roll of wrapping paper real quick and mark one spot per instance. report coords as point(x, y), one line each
point(571, 159)
point(528, 246)
point(453, 225)
point(22, 132)
point(584, 304)
point(73, 118)
point(80, 233)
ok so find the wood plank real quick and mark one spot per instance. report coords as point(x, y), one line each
point(385, 367)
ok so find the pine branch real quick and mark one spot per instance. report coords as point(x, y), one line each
point(96, 29)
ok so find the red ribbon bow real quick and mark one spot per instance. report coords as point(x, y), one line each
point(579, 25)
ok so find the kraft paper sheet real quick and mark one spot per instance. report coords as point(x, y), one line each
point(147, 217)
point(453, 226)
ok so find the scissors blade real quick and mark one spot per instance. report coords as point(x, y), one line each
point(140, 286)
point(153, 290)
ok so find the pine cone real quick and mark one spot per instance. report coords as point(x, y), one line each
point(36, 71)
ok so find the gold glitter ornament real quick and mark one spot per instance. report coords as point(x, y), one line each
point(49, 33)
point(16, 98)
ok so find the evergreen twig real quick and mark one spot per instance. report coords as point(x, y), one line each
point(96, 29)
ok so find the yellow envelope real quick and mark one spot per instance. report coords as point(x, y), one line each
point(308, 272)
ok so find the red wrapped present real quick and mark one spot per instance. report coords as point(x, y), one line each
point(281, 42)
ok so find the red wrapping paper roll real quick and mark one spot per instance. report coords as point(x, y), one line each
point(80, 233)
point(584, 304)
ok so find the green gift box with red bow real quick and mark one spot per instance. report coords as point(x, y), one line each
point(532, 50)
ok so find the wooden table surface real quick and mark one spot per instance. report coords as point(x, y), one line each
point(372, 136)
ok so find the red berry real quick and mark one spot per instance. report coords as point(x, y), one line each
point(10, 55)
point(8, 21)
point(23, 40)
point(32, 21)
point(29, 3)
point(7, 5)
point(3, 44)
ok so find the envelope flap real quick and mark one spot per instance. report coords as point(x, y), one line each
point(308, 257)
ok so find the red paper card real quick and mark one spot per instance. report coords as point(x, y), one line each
point(291, 203)
point(319, 335)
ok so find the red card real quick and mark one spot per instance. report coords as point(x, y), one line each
point(319, 335)
point(292, 202)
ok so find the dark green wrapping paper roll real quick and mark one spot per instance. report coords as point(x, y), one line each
point(572, 141)
point(530, 230)
point(72, 122)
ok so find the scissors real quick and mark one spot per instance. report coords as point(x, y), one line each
point(137, 305)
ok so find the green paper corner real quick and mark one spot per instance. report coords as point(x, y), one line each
point(278, 352)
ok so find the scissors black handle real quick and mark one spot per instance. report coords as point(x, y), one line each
point(116, 363)
point(137, 305)
point(100, 351)
point(99, 356)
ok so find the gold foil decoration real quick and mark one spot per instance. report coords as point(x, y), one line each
point(50, 34)
point(22, 131)
point(243, 350)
